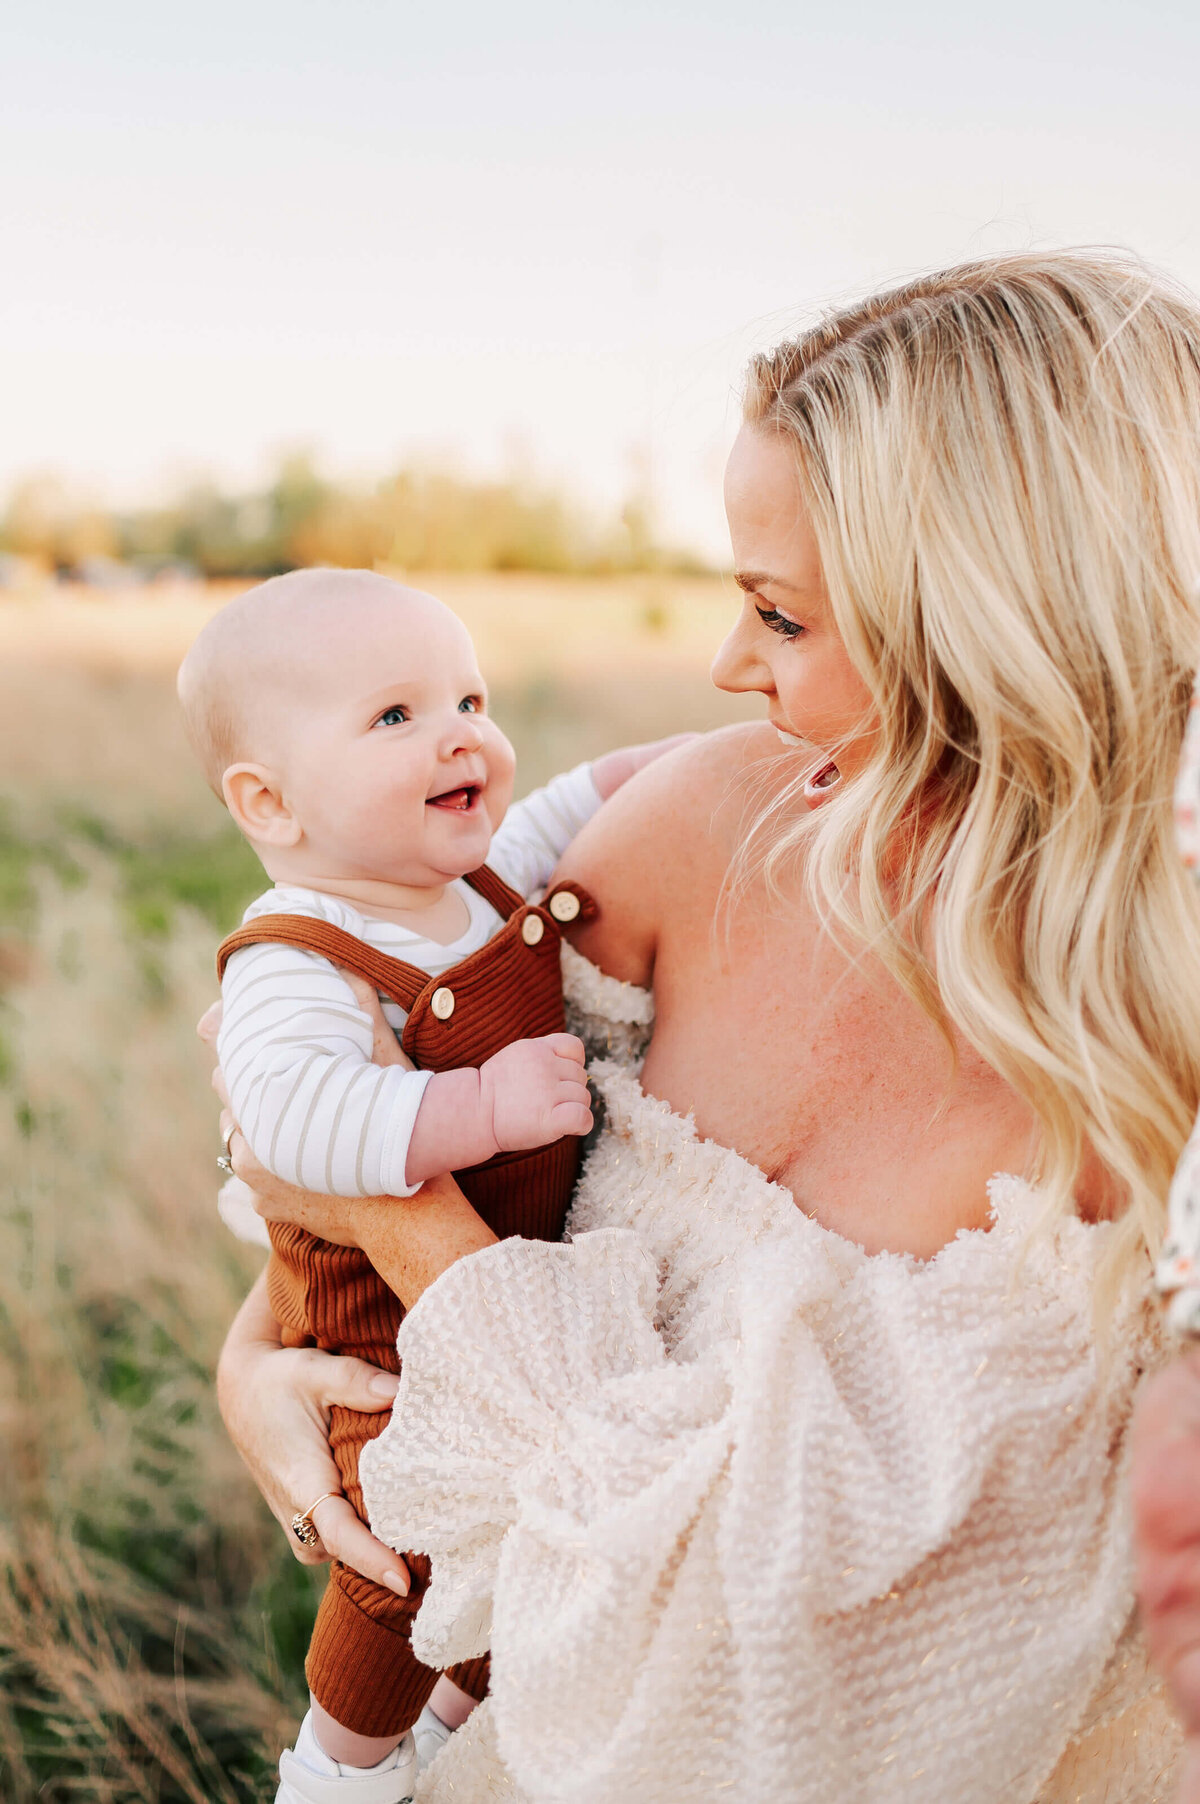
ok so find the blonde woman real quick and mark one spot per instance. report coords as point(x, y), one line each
point(799, 1473)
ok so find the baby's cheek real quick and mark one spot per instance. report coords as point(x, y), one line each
point(502, 770)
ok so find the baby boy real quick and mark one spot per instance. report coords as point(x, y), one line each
point(343, 720)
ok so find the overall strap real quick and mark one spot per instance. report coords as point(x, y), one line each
point(493, 889)
point(399, 982)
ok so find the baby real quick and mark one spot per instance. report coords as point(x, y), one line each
point(343, 720)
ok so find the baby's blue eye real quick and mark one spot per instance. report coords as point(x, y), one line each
point(393, 717)
point(471, 704)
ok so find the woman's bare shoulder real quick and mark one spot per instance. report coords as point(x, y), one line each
point(670, 823)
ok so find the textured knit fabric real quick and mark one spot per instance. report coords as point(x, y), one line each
point(296, 1049)
point(744, 1512)
point(1178, 1270)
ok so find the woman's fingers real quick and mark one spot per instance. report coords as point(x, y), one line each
point(245, 1165)
point(328, 1217)
point(209, 1024)
point(275, 1402)
point(354, 1384)
point(208, 1027)
point(275, 1200)
point(386, 1048)
point(345, 1538)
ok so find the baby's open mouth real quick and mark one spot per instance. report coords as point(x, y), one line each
point(460, 801)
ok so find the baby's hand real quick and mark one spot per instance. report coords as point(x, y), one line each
point(536, 1092)
point(530, 1094)
point(615, 768)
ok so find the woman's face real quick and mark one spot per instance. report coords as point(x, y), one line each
point(785, 644)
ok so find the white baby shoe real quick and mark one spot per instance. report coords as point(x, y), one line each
point(391, 1782)
point(431, 1735)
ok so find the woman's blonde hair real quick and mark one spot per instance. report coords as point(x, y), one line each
point(1003, 466)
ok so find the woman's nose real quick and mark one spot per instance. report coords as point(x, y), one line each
point(738, 668)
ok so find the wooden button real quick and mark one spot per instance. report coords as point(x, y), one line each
point(532, 929)
point(442, 1003)
point(564, 906)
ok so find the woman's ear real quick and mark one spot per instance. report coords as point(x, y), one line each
point(257, 803)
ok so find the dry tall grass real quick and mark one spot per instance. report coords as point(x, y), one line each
point(132, 1665)
point(152, 1623)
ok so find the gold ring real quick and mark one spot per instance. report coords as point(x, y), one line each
point(225, 1160)
point(303, 1526)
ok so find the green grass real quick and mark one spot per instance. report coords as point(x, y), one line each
point(162, 871)
point(152, 1621)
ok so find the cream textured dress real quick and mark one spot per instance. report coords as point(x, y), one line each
point(744, 1513)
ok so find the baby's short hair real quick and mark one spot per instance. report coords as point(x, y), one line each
point(242, 648)
point(212, 678)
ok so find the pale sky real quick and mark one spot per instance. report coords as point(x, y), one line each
point(534, 231)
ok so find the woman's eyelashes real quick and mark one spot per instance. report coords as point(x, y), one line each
point(779, 623)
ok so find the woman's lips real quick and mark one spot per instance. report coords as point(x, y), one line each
point(457, 801)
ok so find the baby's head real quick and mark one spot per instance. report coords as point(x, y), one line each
point(342, 719)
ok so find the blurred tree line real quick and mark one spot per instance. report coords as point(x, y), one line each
point(414, 520)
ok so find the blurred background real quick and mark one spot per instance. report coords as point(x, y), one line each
point(461, 292)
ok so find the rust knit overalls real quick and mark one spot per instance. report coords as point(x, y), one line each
point(361, 1666)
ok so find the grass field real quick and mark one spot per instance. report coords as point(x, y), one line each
point(152, 1622)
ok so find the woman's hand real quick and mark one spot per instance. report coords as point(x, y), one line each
point(275, 1402)
point(1166, 1502)
point(339, 1219)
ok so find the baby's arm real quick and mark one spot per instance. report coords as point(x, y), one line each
point(616, 768)
point(530, 1094)
point(537, 831)
point(296, 1050)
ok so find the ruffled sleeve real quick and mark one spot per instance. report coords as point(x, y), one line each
point(865, 1538)
point(550, 1328)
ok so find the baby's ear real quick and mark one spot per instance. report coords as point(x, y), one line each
point(256, 801)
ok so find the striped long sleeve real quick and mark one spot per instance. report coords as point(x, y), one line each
point(537, 831)
point(296, 1052)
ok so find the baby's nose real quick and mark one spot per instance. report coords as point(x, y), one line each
point(465, 735)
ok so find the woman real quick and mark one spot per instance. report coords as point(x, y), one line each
point(837, 1511)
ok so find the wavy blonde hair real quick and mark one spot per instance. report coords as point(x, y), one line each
point(1003, 465)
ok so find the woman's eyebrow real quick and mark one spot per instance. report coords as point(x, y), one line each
point(761, 579)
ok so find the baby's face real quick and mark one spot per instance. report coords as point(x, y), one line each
point(388, 757)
